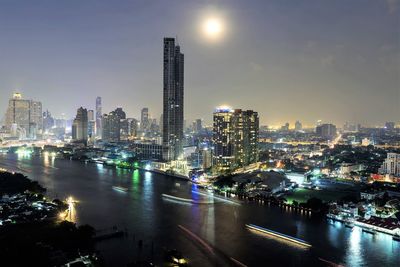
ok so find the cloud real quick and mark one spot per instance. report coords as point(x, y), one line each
point(256, 67)
point(392, 5)
point(328, 60)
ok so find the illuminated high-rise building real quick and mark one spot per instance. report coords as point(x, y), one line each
point(173, 95)
point(112, 123)
point(91, 124)
point(391, 165)
point(98, 117)
point(235, 138)
point(144, 120)
point(80, 126)
point(24, 117)
point(223, 138)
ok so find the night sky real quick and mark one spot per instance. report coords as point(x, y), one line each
point(289, 60)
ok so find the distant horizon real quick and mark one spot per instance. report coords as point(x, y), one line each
point(306, 61)
point(207, 122)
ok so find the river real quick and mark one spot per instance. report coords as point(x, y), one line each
point(212, 233)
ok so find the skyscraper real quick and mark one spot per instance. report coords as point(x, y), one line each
point(326, 130)
point(235, 138)
point(24, 117)
point(112, 125)
point(80, 126)
point(173, 92)
point(91, 124)
point(223, 138)
point(144, 119)
point(98, 117)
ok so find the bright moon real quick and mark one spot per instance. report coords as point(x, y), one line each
point(213, 28)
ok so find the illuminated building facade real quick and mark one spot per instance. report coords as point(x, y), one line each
point(24, 117)
point(173, 92)
point(98, 117)
point(235, 138)
point(144, 120)
point(80, 126)
point(391, 165)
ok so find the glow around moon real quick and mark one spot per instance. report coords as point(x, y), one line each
point(213, 28)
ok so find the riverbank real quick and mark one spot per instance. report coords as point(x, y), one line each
point(31, 233)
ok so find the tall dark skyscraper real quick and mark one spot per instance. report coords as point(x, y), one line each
point(173, 100)
point(98, 116)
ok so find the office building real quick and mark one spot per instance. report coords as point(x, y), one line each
point(173, 99)
point(24, 117)
point(111, 124)
point(48, 121)
point(391, 165)
point(80, 126)
point(144, 120)
point(98, 117)
point(326, 130)
point(91, 124)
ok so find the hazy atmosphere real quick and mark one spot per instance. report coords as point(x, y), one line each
point(289, 60)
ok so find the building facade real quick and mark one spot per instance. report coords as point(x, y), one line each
point(112, 124)
point(391, 165)
point(24, 117)
point(235, 138)
point(173, 96)
point(98, 117)
point(80, 126)
point(326, 130)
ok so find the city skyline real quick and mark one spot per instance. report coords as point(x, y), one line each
point(287, 73)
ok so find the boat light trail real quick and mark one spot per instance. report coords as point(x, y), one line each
point(279, 235)
point(187, 200)
point(216, 197)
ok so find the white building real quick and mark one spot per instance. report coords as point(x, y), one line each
point(391, 165)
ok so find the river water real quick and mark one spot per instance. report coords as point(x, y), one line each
point(212, 233)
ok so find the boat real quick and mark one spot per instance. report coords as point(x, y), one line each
point(263, 230)
point(349, 224)
point(396, 237)
point(369, 231)
point(120, 188)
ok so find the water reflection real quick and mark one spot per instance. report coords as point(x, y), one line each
point(354, 256)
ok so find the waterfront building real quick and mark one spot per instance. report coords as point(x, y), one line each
point(326, 130)
point(235, 138)
point(98, 117)
point(173, 94)
point(24, 117)
point(391, 165)
point(80, 126)
point(147, 151)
